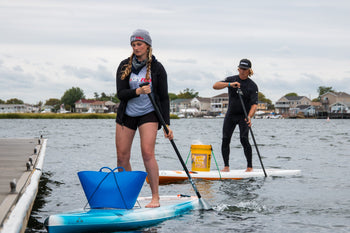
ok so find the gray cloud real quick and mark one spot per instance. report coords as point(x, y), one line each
point(12, 80)
point(189, 61)
point(100, 74)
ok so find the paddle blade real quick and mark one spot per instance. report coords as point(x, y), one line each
point(204, 205)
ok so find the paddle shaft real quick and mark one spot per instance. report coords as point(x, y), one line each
point(161, 119)
point(240, 93)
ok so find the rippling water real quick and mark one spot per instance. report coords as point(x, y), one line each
point(316, 201)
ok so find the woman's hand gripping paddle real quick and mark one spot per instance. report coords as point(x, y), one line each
point(202, 202)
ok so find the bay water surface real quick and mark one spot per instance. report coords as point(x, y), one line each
point(316, 201)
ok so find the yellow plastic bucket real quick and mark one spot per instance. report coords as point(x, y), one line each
point(201, 156)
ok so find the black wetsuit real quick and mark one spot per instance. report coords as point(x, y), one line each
point(235, 116)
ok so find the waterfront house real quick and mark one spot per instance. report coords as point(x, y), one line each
point(99, 107)
point(47, 109)
point(83, 105)
point(335, 101)
point(179, 104)
point(202, 104)
point(111, 106)
point(18, 108)
point(305, 110)
point(262, 106)
point(219, 104)
point(284, 104)
point(94, 106)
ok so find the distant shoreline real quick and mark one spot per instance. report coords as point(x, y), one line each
point(113, 116)
point(63, 116)
point(57, 116)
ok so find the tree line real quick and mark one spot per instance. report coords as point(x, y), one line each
point(74, 94)
point(69, 98)
point(321, 90)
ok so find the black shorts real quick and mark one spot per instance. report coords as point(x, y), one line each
point(135, 122)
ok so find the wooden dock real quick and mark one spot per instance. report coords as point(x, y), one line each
point(20, 170)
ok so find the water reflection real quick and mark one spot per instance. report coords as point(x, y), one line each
point(36, 221)
point(241, 196)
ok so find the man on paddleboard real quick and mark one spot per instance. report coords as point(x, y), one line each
point(136, 110)
point(235, 113)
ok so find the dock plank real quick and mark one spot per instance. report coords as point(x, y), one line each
point(14, 154)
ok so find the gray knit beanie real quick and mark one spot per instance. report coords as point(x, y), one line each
point(141, 35)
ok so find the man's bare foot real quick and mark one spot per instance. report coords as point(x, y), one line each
point(225, 169)
point(153, 204)
point(249, 169)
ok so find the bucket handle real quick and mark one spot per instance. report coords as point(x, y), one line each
point(112, 170)
point(116, 182)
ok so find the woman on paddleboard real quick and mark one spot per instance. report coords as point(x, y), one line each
point(136, 110)
point(235, 113)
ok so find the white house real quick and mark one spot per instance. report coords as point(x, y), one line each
point(17, 108)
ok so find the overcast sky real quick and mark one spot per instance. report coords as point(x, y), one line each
point(47, 47)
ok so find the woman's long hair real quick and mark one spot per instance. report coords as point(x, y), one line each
point(250, 72)
point(127, 70)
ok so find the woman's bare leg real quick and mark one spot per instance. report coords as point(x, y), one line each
point(148, 135)
point(123, 141)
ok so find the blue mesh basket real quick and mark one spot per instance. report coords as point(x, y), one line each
point(112, 189)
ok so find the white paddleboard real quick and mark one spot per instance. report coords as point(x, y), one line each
point(172, 176)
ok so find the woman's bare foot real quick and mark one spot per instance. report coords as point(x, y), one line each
point(153, 204)
point(249, 169)
point(225, 169)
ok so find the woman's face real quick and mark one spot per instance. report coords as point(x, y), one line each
point(140, 49)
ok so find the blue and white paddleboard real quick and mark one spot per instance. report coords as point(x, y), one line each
point(110, 220)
